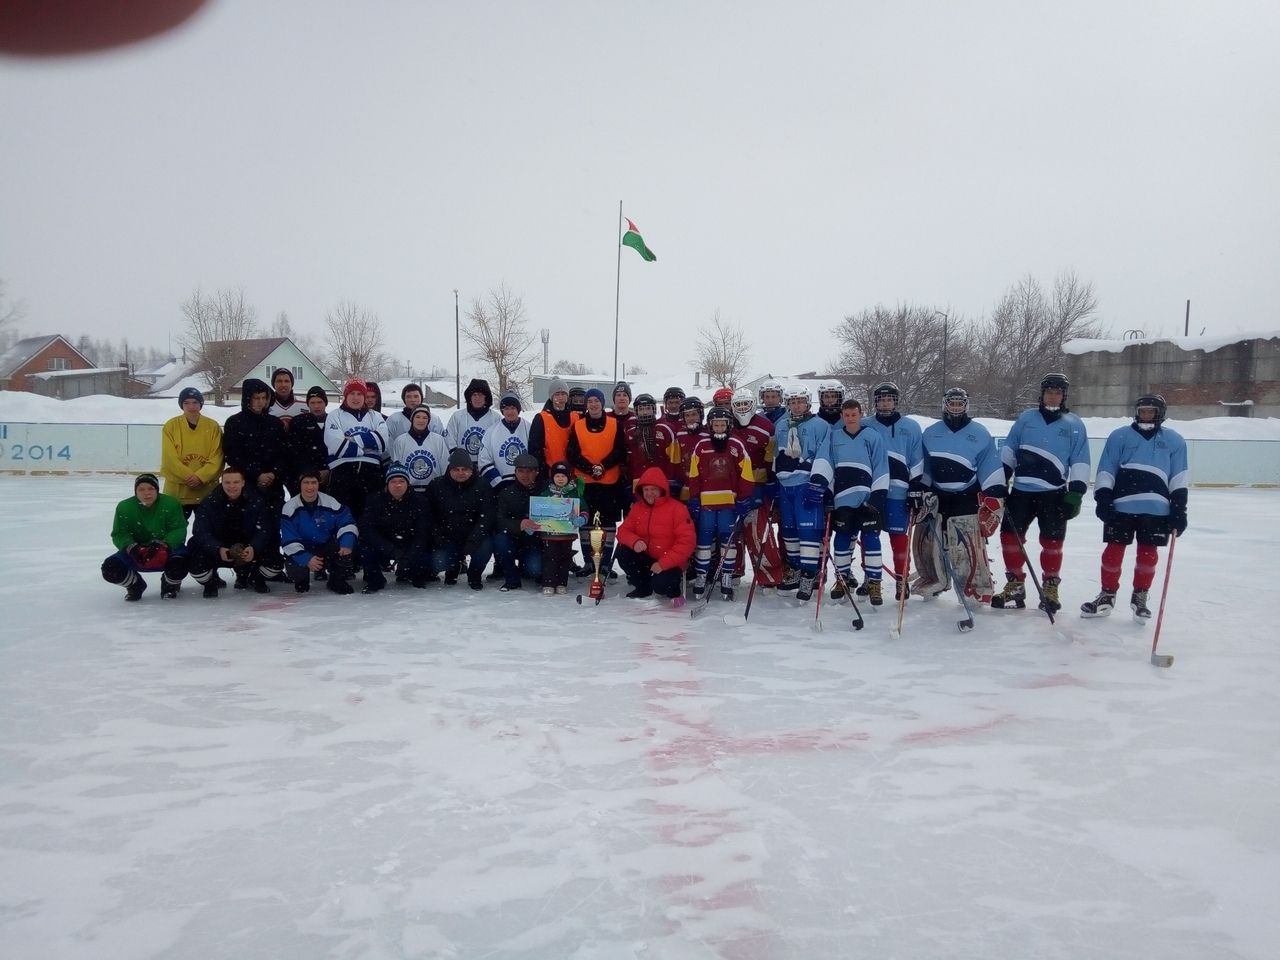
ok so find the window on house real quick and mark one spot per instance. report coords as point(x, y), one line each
point(59, 363)
point(297, 374)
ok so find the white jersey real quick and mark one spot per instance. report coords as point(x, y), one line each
point(502, 444)
point(468, 432)
point(425, 461)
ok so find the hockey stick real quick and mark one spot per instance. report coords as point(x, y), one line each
point(935, 530)
point(739, 620)
point(906, 577)
point(858, 622)
point(1026, 559)
point(822, 572)
point(1163, 659)
point(702, 606)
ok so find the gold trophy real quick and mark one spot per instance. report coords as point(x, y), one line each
point(596, 536)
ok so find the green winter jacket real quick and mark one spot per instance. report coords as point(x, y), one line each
point(137, 524)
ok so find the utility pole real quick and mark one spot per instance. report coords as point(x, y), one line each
point(546, 339)
point(457, 349)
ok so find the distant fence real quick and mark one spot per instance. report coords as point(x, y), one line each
point(39, 448)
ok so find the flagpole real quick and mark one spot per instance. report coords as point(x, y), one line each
point(617, 295)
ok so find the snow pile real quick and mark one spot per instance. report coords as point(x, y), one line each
point(1206, 343)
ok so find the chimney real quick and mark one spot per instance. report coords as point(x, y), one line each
point(696, 375)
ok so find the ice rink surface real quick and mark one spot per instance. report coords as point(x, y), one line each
point(448, 774)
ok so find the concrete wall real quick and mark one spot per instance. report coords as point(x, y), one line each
point(1105, 384)
point(133, 448)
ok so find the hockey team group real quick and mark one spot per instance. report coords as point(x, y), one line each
point(679, 496)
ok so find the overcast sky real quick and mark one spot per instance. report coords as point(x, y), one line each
point(788, 163)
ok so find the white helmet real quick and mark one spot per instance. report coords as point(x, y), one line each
point(831, 386)
point(797, 391)
point(766, 387)
point(744, 406)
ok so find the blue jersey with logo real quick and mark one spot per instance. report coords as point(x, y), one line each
point(1047, 450)
point(962, 460)
point(854, 466)
point(904, 449)
point(1147, 471)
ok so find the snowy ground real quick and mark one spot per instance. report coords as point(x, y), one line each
point(449, 774)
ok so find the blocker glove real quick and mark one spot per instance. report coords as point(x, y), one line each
point(990, 512)
point(1071, 504)
point(1103, 508)
point(870, 519)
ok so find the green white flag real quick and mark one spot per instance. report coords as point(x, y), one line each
point(633, 240)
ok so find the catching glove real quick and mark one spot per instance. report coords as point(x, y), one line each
point(990, 511)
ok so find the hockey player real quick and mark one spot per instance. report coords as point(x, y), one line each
point(622, 411)
point(771, 404)
point(230, 530)
point(1141, 490)
point(687, 437)
point(421, 451)
point(578, 400)
point(649, 443)
point(598, 453)
point(356, 438)
point(398, 423)
point(253, 440)
point(467, 426)
point(503, 443)
point(305, 439)
point(965, 484)
point(755, 430)
point(798, 439)
point(461, 510)
point(906, 468)
point(1046, 455)
point(149, 533)
point(395, 527)
point(318, 535)
point(721, 494)
point(853, 466)
point(671, 401)
point(285, 404)
point(190, 452)
point(830, 397)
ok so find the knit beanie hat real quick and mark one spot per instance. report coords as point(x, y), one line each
point(509, 399)
point(557, 386)
point(318, 392)
point(397, 470)
point(354, 385)
point(146, 478)
point(597, 393)
point(458, 457)
point(622, 387)
point(190, 393)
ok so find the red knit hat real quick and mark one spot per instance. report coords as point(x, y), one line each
point(354, 385)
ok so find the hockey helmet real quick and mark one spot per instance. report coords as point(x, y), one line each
point(957, 397)
point(831, 386)
point(743, 406)
point(722, 397)
point(1150, 401)
point(769, 386)
point(720, 413)
point(646, 400)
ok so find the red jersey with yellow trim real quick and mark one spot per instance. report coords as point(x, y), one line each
point(720, 474)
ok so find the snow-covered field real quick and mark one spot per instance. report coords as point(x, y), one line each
point(450, 774)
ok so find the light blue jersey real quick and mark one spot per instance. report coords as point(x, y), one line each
point(905, 450)
point(1047, 451)
point(854, 466)
point(1146, 471)
point(962, 461)
point(797, 446)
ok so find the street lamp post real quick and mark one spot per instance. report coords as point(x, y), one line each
point(945, 318)
point(457, 350)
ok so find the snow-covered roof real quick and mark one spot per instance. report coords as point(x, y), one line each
point(1206, 343)
point(25, 349)
point(58, 374)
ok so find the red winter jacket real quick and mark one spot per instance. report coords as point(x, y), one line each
point(665, 527)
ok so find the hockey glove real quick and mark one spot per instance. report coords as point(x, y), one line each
point(814, 494)
point(990, 511)
point(150, 556)
point(744, 508)
point(1178, 519)
point(915, 503)
point(695, 508)
point(1071, 504)
point(1103, 508)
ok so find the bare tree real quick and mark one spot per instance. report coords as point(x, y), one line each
point(499, 337)
point(354, 344)
point(571, 368)
point(634, 370)
point(282, 327)
point(903, 344)
point(1022, 340)
point(12, 313)
point(214, 323)
point(722, 351)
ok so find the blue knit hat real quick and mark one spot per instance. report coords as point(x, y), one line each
point(597, 393)
point(190, 393)
point(398, 470)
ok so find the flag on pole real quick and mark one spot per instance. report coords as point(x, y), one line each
point(633, 240)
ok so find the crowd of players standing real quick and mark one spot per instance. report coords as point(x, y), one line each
point(290, 491)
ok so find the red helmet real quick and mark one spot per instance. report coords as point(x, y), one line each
point(722, 397)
